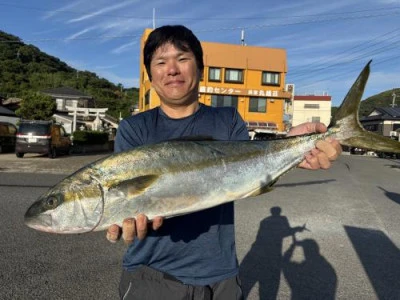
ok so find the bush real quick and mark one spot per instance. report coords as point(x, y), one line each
point(90, 138)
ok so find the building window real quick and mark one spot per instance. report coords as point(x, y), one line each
point(315, 119)
point(312, 106)
point(270, 78)
point(214, 74)
point(258, 104)
point(372, 127)
point(234, 75)
point(224, 100)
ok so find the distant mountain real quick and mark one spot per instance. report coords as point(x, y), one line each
point(24, 68)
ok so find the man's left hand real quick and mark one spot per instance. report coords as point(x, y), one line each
point(325, 151)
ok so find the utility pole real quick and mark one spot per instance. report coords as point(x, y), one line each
point(394, 99)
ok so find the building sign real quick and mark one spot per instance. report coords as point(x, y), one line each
point(219, 90)
point(243, 92)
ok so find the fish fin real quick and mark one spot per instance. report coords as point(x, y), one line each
point(264, 189)
point(135, 185)
point(346, 122)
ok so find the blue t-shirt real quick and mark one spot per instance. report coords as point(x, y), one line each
point(198, 248)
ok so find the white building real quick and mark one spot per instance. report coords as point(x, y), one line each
point(311, 108)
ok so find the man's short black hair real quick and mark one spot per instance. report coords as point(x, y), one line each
point(179, 36)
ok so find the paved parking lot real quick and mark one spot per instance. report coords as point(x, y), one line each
point(34, 163)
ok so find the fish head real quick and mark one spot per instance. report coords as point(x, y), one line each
point(75, 205)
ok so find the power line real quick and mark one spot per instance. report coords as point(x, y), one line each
point(317, 64)
point(352, 70)
point(352, 57)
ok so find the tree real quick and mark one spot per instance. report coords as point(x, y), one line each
point(36, 106)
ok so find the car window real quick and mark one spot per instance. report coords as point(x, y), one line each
point(35, 129)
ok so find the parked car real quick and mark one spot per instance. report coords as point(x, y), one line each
point(388, 155)
point(44, 137)
point(358, 151)
point(8, 133)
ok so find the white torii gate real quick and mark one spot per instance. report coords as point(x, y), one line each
point(85, 112)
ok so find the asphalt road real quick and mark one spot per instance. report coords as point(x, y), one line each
point(350, 249)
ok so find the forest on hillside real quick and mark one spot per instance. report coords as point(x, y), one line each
point(383, 99)
point(25, 69)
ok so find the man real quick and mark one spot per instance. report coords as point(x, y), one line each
point(191, 256)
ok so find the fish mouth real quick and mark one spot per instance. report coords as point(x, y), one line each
point(36, 219)
point(41, 222)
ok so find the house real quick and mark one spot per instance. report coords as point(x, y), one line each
point(66, 96)
point(73, 104)
point(384, 121)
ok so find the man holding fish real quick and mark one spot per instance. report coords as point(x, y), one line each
point(191, 256)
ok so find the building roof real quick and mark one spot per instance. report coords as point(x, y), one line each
point(388, 111)
point(312, 98)
point(6, 112)
point(244, 57)
point(66, 92)
point(383, 113)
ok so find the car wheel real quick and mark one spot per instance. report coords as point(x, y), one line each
point(19, 154)
point(52, 153)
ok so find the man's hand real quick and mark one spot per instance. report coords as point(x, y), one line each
point(324, 152)
point(132, 228)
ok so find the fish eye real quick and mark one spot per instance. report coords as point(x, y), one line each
point(51, 202)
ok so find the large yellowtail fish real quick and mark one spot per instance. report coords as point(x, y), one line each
point(179, 177)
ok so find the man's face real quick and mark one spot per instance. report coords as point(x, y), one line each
point(175, 75)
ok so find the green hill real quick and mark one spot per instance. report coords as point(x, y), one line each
point(24, 68)
point(383, 99)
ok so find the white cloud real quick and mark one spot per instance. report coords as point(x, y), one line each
point(124, 48)
point(62, 9)
point(102, 11)
point(82, 32)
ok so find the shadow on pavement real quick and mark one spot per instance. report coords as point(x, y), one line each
point(314, 278)
point(380, 258)
point(395, 197)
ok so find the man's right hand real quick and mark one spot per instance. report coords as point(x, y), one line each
point(132, 228)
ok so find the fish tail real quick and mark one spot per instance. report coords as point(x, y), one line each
point(346, 124)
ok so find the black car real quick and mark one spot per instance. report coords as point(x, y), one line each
point(8, 133)
point(44, 137)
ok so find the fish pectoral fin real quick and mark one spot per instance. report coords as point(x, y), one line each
point(135, 185)
point(263, 189)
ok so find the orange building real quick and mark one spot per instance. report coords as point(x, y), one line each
point(251, 79)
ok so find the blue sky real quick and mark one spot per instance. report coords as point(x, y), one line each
point(327, 42)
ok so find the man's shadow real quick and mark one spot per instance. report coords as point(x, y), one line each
point(265, 262)
point(311, 278)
